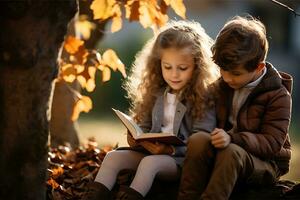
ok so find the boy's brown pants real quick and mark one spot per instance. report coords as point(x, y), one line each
point(210, 173)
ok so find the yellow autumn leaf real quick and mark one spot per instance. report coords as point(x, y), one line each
point(178, 7)
point(151, 14)
point(106, 74)
point(102, 9)
point(98, 56)
point(121, 69)
point(161, 19)
point(84, 27)
point(90, 84)
point(163, 7)
point(72, 44)
point(68, 72)
point(116, 24)
point(81, 55)
point(167, 2)
point(110, 58)
point(146, 10)
point(83, 104)
point(87, 103)
point(100, 67)
point(79, 68)
point(117, 19)
point(132, 10)
point(82, 80)
point(92, 71)
point(87, 78)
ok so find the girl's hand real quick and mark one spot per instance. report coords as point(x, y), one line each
point(219, 138)
point(131, 141)
point(157, 148)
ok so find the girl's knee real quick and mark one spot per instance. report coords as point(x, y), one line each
point(151, 160)
point(156, 162)
point(119, 157)
point(113, 157)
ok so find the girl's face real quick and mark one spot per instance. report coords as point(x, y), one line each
point(177, 67)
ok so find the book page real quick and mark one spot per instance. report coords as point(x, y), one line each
point(148, 135)
point(138, 134)
point(130, 124)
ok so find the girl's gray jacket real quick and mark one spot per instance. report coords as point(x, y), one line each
point(184, 125)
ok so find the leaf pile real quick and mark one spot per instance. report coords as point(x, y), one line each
point(71, 169)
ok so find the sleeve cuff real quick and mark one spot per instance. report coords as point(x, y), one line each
point(236, 139)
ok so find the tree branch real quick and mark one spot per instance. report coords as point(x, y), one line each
point(285, 6)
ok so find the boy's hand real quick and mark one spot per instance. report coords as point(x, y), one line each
point(219, 138)
point(157, 148)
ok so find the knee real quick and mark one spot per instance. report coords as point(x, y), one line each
point(154, 163)
point(113, 157)
point(148, 163)
point(198, 142)
point(232, 153)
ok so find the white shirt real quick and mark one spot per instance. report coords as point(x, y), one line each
point(239, 98)
point(170, 103)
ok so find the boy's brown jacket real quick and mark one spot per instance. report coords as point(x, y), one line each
point(263, 120)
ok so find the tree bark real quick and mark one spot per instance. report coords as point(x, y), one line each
point(31, 35)
point(62, 129)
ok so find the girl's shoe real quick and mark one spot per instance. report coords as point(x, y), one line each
point(97, 191)
point(128, 193)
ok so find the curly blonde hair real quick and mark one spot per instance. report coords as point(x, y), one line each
point(146, 81)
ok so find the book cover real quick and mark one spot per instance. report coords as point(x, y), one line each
point(138, 134)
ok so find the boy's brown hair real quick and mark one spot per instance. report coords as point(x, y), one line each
point(241, 42)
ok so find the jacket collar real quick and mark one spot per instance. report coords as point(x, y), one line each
point(158, 114)
point(272, 80)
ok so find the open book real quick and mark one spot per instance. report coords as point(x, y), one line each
point(138, 134)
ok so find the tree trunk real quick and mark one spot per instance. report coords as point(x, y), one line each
point(62, 128)
point(31, 35)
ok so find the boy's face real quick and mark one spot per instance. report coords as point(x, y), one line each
point(239, 77)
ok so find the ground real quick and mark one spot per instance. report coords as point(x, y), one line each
point(71, 169)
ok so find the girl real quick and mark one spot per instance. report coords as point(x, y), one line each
point(168, 88)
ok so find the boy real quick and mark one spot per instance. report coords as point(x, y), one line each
point(253, 107)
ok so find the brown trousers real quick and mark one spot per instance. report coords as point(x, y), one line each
point(210, 173)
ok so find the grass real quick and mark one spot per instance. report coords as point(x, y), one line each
point(105, 131)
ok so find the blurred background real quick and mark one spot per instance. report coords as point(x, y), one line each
point(283, 32)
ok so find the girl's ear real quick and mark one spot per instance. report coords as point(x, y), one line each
point(260, 66)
